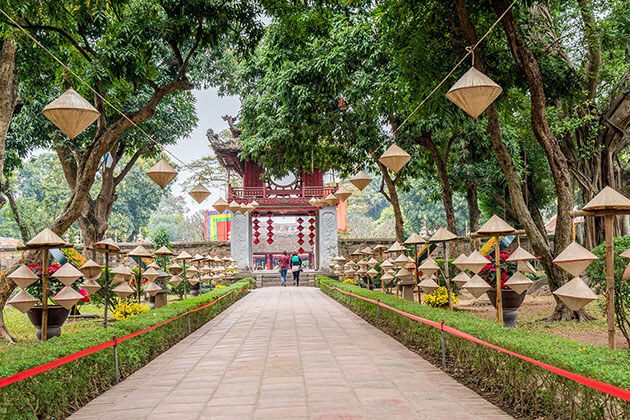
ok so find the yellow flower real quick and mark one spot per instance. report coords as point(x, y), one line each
point(126, 310)
point(439, 298)
point(350, 281)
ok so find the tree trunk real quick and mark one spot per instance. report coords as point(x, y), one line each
point(8, 97)
point(472, 198)
point(24, 232)
point(392, 196)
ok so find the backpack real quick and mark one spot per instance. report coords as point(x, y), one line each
point(295, 260)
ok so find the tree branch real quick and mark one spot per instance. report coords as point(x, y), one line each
point(125, 170)
point(55, 29)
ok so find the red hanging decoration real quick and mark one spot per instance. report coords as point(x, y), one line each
point(311, 227)
point(256, 228)
point(269, 228)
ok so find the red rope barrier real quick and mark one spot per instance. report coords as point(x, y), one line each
point(591, 383)
point(28, 373)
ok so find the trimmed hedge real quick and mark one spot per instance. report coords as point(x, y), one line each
point(61, 391)
point(520, 387)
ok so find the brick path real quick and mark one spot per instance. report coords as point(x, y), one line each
point(293, 353)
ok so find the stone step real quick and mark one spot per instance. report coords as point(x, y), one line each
point(272, 279)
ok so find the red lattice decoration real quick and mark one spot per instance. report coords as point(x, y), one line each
point(256, 228)
point(311, 227)
point(269, 229)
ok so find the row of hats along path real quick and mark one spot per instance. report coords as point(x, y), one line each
point(396, 266)
point(193, 270)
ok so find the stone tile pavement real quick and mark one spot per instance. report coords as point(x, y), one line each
point(289, 353)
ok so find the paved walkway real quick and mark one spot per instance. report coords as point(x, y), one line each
point(293, 353)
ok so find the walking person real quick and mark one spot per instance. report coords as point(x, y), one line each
point(284, 267)
point(296, 267)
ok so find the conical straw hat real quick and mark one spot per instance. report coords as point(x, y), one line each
point(199, 193)
point(372, 272)
point(247, 208)
point(23, 277)
point(339, 258)
point(108, 245)
point(205, 269)
point(461, 279)
point(191, 271)
point(442, 235)
point(197, 258)
point(362, 271)
point(575, 294)
point(378, 249)
point(122, 272)
point(475, 262)
point(331, 200)
point(574, 259)
point(67, 274)
point(343, 193)
point(254, 204)
point(193, 280)
point(625, 254)
point(175, 280)
point(152, 288)
point(428, 285)
point(361, 180)
point(234, 206)
point(519, 282)
point(387, 276)
point(396, 247)
point(372, 262)
point(221, 205)
point(394, 158)
point(386, 265)
point(429, 267)
point(314, 202)
point(414, 239)
point(46, 238)
point(626, 273)
point(140, 252)
point(401, 260)
point(71, 113)
point(91, 270)
point(366, 251)
point(183, 256)
point(520, 254)
point(495, 226)
point(474, 92)
point(90, 286)
point(608, 199)
point(162, 251)
point(162, 173)
point(460, 261)
point(362, 263)
point(22, 301)
point(123, 290)
point(403, 273)
point(151, 274)
point(67, 297)
point(525, 267)
point(476, 286)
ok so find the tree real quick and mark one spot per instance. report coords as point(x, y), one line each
point(8, 99)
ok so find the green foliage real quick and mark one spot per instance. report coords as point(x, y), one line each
point(56, 393)
point(597, 273)
point(539, 393)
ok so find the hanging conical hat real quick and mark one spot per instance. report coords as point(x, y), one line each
point(461, 279)
point(163, 251)
point(428, 285)
point(525, 267)
point(475, 262)
point(140, 252)
point(23, 301)
point(495, 226)
point(152, 289)
point(378, 249)
point(394, 158)
point(401, 260)
point(442, 235)
point(362, 263)
point(46, 238)
point(234, 206)
point(314, 202)
point(90, 286)
point(205, 278)
point(626, 273)
point(331, 200)
point(387, 264)
point(175, 280)
point(387, 276)
point(575, 294)
point(362, 271)
point(108, 245)
point(67, 297)
point(361, 180)
point(123, 290)
point(414, 239)
point(162, 173)
point(199, 193)
point(474, 92)
point(343, 193)
point(67, 274)
point(91, 270)
point(247, 208)
point(429, 267)
point(339, 258)
point(372, 272)
point(122, 272)
point(608, 199)
point(183, 256)
point(205, 269)
point(403, 273)
point(221, 205)
point(71, 113)
point(460, 261)
point(372, 262)
point(191, 271)
point(574, 259)
point(476, 286)
point(197, 258)
point(366, 251)
point(254, 204)
point(396, 247)
point(519, 282)
point(193, 280)
point(151, 274)
point(520, 254)
point(23, 277)
point(625, 254)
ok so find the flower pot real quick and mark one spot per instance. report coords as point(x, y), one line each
point(57, 315)
point(511, 302)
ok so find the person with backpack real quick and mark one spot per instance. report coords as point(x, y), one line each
point(284, 267)
point(296, 267)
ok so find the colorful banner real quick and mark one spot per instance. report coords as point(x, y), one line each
point(216, 226)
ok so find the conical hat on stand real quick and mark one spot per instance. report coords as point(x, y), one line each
point(366, 251)
point(387, 277)
point(163, 251)
point(67, 274)
point(199, 193)
point(108, 245)
point(495, 226)
point(362, 271)
point(520, 254)
point(608, 199)
point(153, 265)
point(461, 279)
point(140, 252)
point(90, 286)
point(460, 261)
point(23, 277)
point(428, 285)
point(403, 273)
point(372, 262)
point(474, 92)
point(67, 297)
point(574, 259)
point(415, 239)
point(394, 158)
point(46, 239)
point(221, 205)
point(519, 282)
point(123, 290)
point(429, 267)
point(183, 256)
point(175, 280)
point(71, 113)
point(442, 235)
point(396, 247)
point(151, 274)
point(386, 265)
point(361, 180)
point(476, 286)
point(575, 294)
point(475, 262)
point(22, 301)
point(372, 272)
point(121, 273)
point(401, 260)
point(152, 289)
point(162, 173)
point(91, 270)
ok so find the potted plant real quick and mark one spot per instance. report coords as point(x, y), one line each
point(511, 301)
point(57, 314)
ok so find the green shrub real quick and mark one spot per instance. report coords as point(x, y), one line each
point(523, 388)
point(597, 273)
point(62, 390)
